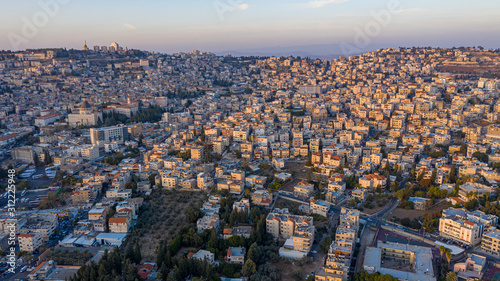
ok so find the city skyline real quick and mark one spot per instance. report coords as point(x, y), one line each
point(293, 27)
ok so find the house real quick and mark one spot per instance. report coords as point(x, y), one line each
point(244, 231)
point(304, 189)
point(144, 270)
point(203, 255)
point(236, 255)
point(372, 181)
point(472, 269)
point(319, 207)
point(207, 223)
point(261, 197)
point(420, 203)
point(360, 194)
point(242, 206)
point(119, 225)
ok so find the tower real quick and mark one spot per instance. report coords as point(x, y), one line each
point(85, 48)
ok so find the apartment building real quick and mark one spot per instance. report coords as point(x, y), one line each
point(372, 181)
point(119, 225)
point(169, 182)
point(491, 242)
point(198, 153)
point(101, 136)
point(460, 230)
point(261, 198)
point(298, 230)
point(30, 241)
point(319, 207)
point(304, 189)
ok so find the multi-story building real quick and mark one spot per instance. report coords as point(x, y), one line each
point(242, 206)
point(460, 230)
point(198, 153)
point(304, 189)
point(119, 225)
point(419, 258)
point(90, 152)
point(26, 154)
point(339, 255)
point(207, 223)
point(298, 230)
point(168, 181)
point(236, 255)
point(45, 224)
point(261, 198)
point(491, 242)
point(319, 207)
point(101, 136)
point(372, 181)
point(204, 181)
point(30, 241)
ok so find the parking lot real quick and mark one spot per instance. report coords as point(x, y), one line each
point(31, 196)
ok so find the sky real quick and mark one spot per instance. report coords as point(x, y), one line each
point(249, 25)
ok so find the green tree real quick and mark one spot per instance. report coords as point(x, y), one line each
point(192, 214)
point(254, 253)
point(429, 223)
point(453, 174)
point(137, 252)
point(249, 268)
point(130, 272)
point(297, 275)
point(214, 240)
point(451, 276)
point(325, 244)
point(152, 179)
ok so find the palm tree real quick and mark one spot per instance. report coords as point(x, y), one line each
point(448, 255)
point(442, 250)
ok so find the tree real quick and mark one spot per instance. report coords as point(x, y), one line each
point(130, 272)
point(448, 255)
point(152, 179)
point(429, 223)
point(192, 214)
point(451, 276)
point(297, 275)
point(309, 176)
point(254, 253)
point(453, 174)
point(442, 250)
point(36, 160)
point(481, 156)
point(129, 254)
point(325, 245)
point(214, 240)
point(137, 252)
point(47, 158)
point(249, 268)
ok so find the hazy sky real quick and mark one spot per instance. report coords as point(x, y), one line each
point(220, 25)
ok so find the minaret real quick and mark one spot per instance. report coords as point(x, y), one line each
point(85, 48)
